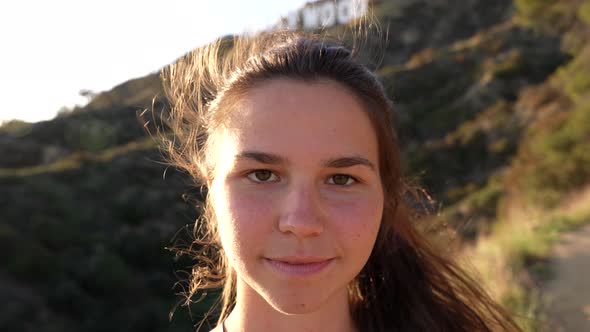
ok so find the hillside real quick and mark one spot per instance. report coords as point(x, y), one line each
point(490, 97)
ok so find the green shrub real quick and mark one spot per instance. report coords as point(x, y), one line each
point(9, 237)
point(556, 160)
point(575, 76)
point(109, 275)
point(546, 15)
point(513, 65)
point(584, 12)
point(91, 135)
point(56, 234)
point(15, 127)
point(533, 8)
point(66, 296)
point(31, 262)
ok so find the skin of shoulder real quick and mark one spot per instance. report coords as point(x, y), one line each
point(218, 328)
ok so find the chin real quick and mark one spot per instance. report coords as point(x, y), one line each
point(295, 307)
point(299, 303)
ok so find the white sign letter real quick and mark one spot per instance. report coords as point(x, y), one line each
point(310, 17)
point(362, 8)
point(327, 14)
point(293, 20)
point(344, 11)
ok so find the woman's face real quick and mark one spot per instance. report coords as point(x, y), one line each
point(297, 192)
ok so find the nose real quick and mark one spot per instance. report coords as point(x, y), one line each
point(302, 214)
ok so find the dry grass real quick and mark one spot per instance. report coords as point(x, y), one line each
point(512, 260)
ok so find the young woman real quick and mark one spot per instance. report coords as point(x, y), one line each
point(307, 224)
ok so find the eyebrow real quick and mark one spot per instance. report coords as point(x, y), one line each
point(344, 162)
point(261, 157)
point(273, 159)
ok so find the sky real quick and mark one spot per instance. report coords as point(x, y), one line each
point(53, 49)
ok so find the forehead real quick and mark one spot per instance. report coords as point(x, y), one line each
point(292, 117)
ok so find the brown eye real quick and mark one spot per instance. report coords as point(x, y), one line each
point(262, 175)
point(342, 179)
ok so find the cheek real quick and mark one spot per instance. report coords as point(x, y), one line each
point(357, 222)
point(244, 220)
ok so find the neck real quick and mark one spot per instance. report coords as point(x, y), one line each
point(253, 313)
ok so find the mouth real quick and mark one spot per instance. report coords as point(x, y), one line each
point(299, 266)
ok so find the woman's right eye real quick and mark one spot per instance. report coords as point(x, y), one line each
point(262, 175)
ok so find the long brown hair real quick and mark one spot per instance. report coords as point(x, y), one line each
point(406, 285)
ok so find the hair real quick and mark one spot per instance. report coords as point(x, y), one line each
point(406, 284)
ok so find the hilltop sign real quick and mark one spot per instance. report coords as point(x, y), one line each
point(325, 13)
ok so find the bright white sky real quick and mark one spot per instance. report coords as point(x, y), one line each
point(53, 49)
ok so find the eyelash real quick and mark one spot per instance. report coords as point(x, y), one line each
point(252, 177)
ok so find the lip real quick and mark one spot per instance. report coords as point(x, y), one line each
point(299, 266)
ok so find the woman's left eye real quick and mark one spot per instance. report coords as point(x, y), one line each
point(341, 180)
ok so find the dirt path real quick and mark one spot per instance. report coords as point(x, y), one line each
point(569, 292)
